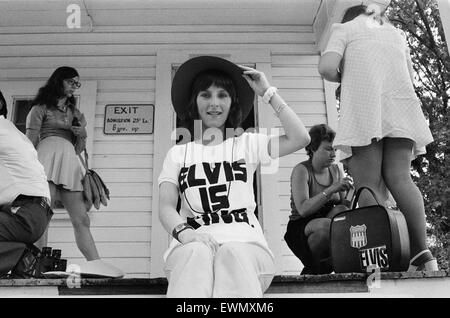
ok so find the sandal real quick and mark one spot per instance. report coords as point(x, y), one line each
point(423, 261)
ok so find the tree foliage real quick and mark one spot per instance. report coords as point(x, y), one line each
point(421, 22)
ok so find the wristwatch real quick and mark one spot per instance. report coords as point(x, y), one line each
point(180, 228)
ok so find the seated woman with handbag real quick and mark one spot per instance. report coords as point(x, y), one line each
point(317, 193)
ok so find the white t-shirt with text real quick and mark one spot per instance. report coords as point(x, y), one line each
point(215, 184)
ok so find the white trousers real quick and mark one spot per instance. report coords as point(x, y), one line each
point(236, 270)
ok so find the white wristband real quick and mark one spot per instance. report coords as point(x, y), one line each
point(268, 94)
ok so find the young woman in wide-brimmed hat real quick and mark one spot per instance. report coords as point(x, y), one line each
point(219, 248)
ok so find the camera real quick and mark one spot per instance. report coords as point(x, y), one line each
point(76, 122)
point(51, 260)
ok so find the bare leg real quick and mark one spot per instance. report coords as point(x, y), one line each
point(396, 173)
point(43, 240)
point(336, 210)
point(365, 167)
point(318, 233)
point(73, 202)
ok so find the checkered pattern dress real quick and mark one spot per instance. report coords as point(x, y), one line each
point(377, 97)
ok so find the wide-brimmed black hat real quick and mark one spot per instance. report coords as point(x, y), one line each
point(188, 71)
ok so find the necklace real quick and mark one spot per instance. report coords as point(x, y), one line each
point(63, 109)
point(65, 118)
point(329, 174)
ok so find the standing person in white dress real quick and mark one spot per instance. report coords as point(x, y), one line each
point(381, 126)
point(219, 249)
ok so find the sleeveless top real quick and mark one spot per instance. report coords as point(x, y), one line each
point(316, 188)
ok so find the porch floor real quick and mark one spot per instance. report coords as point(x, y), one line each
point(355, 285)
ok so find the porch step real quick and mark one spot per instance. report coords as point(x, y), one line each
point(395, 284)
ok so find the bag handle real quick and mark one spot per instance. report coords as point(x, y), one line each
point(358, 193)
point(85, 160)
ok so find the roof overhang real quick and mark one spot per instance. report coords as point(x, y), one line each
point(36, 16)
point(106, 13)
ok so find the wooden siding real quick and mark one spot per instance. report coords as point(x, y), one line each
point(123, 62)
point(300, 84)
point(43, 13)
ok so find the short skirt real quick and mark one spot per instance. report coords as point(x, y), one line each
point(61, 163)
point(394, 118)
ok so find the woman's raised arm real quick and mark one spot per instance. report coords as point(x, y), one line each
point(296, 136)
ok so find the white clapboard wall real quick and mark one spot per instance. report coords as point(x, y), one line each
point(302, 87)
point(122, 59)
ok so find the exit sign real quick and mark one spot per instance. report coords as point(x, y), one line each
point(128, 119)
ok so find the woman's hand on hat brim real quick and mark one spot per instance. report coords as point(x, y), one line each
point(256, 79)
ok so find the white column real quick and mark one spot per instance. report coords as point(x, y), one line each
point(444, 11)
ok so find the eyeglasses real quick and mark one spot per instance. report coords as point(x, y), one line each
point(73, 83)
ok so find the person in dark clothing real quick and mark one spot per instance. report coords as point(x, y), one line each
point(318, 189)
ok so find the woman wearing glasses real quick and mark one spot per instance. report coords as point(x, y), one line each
point(57, 129)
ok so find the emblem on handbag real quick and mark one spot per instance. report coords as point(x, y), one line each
point(358, 236)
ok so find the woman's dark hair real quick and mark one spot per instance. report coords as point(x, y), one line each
point(54, 89)
point(3, 108)
point(353, 12)
point(319, 133)
point(202, 82)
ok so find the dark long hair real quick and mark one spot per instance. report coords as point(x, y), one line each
point(3, 109)
point(202, 82)
point(319, 133)
point(54, 88)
